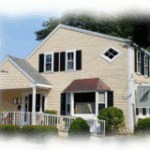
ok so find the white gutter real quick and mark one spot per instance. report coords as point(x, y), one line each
point(130, 90)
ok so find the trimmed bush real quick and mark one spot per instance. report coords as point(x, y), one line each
point(9, 128)
point(143, 125)
point(114, 118)
point(54, 112)
point(39, 129)
point(79, 126)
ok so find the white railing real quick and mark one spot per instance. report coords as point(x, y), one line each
point(97, 127)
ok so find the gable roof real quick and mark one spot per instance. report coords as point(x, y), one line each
point(28, 70)
point(77, 30)
point(87, 85)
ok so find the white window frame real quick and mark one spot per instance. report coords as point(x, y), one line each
point(51, 62)
point(137, 62)
point(108, 59)
point(74, 60)
point(145, 66)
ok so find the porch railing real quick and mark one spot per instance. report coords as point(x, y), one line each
point(97, 127)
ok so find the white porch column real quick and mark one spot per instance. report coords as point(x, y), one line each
point(96, 103)
point(106, 100)
point(33, 104)
point(41, 95)
point(72, 103)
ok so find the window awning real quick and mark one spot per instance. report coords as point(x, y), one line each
point(87, 85)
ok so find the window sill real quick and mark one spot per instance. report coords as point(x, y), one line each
point(145, 76)
point(138, 73)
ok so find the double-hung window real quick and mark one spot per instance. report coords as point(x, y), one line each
point(101, 101)
point(138, 62)
point(70, 60)
point(49, 62)
point(146, 65)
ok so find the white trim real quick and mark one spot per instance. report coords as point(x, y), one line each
point(96, 103)
point(106, 93)
point(138, 62)
point(44, 85)
point(130, 90)
point(52, 62)
point(108, 59)
point(72, 103)
point(74, 60)
point(78, 30)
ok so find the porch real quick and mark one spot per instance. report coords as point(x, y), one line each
point(97, 127)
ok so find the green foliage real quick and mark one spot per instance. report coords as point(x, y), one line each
point(39, 129)
point(9, 128)
point(79, 126)
point(114, 118)
point(54, 112)
point(143, 125)
point(148, 48)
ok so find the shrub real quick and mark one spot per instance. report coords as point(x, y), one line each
point(39, 129)
point(9, 128)
point(79, 126)
point(54, 112)
point(143, 125)
point(114, 118)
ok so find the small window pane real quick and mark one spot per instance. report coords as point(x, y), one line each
point(100, 107)
point(137, 111)
point(139, 57)
point(139, 67)
point(70, 65)
point(144, 111)
point(48, 58)
point(111, 53)
point(48, 67)
point(101, 98)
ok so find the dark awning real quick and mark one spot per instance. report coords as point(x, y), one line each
point(87, 85)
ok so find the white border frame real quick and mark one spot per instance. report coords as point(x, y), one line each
point(137, 61)
point(74, 67)
point(115, 57)
point(52, 70)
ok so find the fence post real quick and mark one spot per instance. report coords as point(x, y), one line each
point(14, 117)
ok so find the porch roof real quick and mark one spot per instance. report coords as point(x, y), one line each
point(87, 85)
point(29, 71)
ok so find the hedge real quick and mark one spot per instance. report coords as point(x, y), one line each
point(143, 125)
point(79, 126)
point(9, 128)
point(54, 112)
point(114, 118)
point(39, 129)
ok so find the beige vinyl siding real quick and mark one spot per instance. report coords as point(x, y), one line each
point(114, 74)
point(7, 99)
point(13, 78)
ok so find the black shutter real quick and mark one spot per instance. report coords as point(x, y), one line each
point(144, 111)
point(30, 102)
point(63, 104)
point(135, 60)
point(37, 107)
point(41, 63)
point(78, 60)
point(62, 61)
point(43, 103)
point(142, 63)
point(137, 111)
point(110, 99)
point(56, 61)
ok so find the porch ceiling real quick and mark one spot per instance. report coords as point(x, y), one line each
point(87, 85)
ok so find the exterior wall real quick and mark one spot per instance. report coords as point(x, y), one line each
point(114, 74)
point(7, 99)
point(13, 79)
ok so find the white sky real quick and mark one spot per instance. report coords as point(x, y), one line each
point(19, 7)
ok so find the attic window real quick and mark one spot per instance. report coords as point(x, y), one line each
point(110, 54)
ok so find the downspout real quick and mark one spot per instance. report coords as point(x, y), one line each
point(130, 88)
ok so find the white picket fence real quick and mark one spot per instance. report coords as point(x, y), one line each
point(97, 127)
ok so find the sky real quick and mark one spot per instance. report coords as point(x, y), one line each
point(20, 19)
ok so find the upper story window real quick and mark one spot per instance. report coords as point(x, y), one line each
point(138, 62)
point(110, 54)
point(146, 65)
point(49, 62)
point(70, 61)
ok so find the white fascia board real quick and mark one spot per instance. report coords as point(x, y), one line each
point(40, 85)
point(78, 30)
point(23, 72)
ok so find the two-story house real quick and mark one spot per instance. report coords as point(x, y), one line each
point(78, 72)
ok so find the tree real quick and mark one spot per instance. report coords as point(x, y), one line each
point(120, 26)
